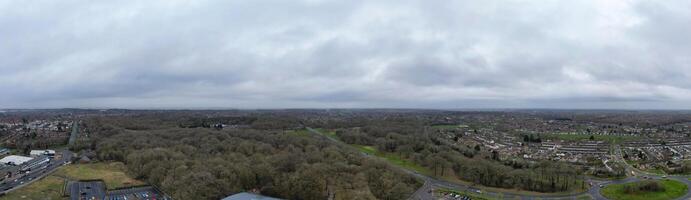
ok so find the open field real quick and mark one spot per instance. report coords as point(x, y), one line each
point(112, 174)
point(48, 188)
point(655, 171)
point(390, 157)
point(393, 159)
point(328, 133)
point(301, 133)
point(585, 197)
point(673, 189)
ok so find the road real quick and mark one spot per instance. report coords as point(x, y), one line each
point(423, 193)
point(595, 191)
point(36, 173)
point(74, 133)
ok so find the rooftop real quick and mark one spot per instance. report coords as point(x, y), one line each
point(248, 196)
point(16, 160)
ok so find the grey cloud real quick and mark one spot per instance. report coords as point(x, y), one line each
point(323, 53)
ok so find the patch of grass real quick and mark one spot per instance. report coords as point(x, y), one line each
point(298, 133)
point(392, 158)
point(328, 133)
point(366, 149)
point(113, 174)
point(48, 188)
point(655, 171)
point(672, 189)
point(584, 197)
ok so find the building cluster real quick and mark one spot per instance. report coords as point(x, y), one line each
point(665, 154)
point(510, 146)
point(21, 133)
point(587, 140)
point(13, 166)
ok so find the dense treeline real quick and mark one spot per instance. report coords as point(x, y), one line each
point(210, 164)
point(408, 138)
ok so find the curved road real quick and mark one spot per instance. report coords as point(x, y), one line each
point(430, 182)
point(635, 174)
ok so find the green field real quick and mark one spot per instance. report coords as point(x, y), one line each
point(393, 159)
point(584, 197)
point(390, 157)
point(673, 189)
point(366, 149)
point(655, 171)
point(300, 133)
point(50, 187)
point(328, 133)
point(113, 174)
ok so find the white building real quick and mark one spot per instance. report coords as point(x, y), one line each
point(38, 161)
point(15, 160)
point(35, 153)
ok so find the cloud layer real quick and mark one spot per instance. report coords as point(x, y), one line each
point(323, 53)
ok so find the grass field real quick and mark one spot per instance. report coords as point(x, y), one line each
point(301, 133)
point(328, 133)
point(393, 159)
point(113, 174)
point(50, 187)
point(655, 171)
point(584, 197)
point(673, 189)
point(390, 157)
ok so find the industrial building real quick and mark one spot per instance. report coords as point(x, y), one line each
point(15, 160)
point(47, 152)
point(37, 161)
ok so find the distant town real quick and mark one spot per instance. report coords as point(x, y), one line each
point(341, 154)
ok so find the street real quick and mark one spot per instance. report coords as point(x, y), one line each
point(423, 193)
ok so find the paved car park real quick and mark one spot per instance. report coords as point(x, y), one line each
point(138, 193)
point(80, 190)
point(96, 190)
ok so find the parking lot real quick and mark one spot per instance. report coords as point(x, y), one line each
point(87, 190)
point(96, 190)
point(138, 193)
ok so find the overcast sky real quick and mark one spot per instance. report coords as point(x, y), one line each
point(345, 54)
